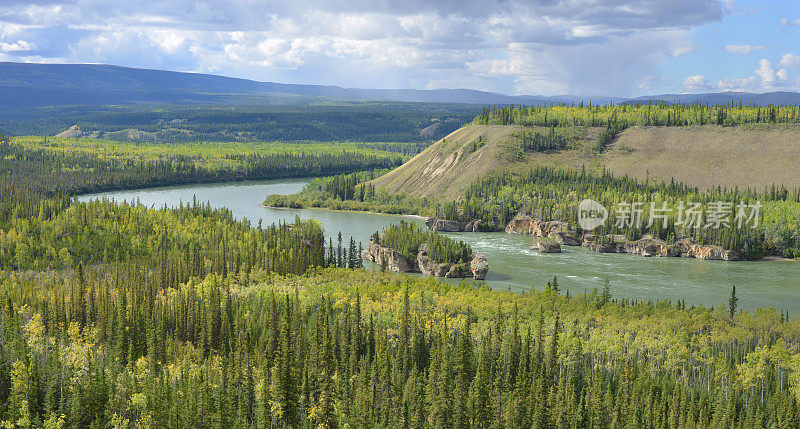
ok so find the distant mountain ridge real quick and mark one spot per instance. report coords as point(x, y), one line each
point(715, 98)
point(31, 85)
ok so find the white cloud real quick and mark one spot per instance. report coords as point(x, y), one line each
point(582, 46)
point(697, 83)
point(742, 84)
point(790, 61)
point(19, 45)
point(171, 42)
point(743, 49)
point(786, 22)
point(681, 51)
point(765, 71)
point(764, 78)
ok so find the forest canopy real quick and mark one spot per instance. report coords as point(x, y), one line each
point(78, 166)
point(626, 115)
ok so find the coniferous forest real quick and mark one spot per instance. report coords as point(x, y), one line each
point(407, 238)
point(625, 115)
point(127, 316)
point(553, 194)
point(334, 121)
point(91, 165)
point(504, 214)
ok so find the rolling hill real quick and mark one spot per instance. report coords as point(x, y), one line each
point(707, 156)
point(27, 84)
point(30, 85)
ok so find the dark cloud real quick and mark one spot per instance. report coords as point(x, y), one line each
point(599, 46)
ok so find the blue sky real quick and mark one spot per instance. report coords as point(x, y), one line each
point(730, 54)
point(549, 47)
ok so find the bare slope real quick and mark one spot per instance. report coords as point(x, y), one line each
point(752, 156)
point(704, 156)
point(448, 166)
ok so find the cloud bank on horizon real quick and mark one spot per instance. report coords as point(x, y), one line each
point(584, 47)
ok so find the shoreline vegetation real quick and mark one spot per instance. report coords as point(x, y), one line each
point(551, 195)
point(766, 258)
point(406, 248)
point(81, 165)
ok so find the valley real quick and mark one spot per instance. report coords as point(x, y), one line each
point(255, 214)
point(146, 276)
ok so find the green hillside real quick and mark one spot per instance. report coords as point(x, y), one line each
point(753, 156)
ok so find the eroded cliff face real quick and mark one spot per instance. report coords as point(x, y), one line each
point(392, 259)
point(526, 225)
point(396, 262)
point(444, 225)
point(712, 252)
point(647, 246)
point(652, 247)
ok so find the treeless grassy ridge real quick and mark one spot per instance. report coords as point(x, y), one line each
point(448, 166)
point(754, 156)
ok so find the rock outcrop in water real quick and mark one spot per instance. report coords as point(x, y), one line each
point(647, 246)
point(390, 258)
point(396, 262)
point(526, 225)
point(547, 245)
point(479, 266)
point(652, 247)
point(556, 229)
point(564, 239)
point(712, 252)
point(444, 225)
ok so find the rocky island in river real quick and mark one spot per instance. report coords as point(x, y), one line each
point(418, 251)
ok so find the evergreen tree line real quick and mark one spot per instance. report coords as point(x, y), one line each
point(189, 241)
point(626, 115)
point(608, 135)
point(536, 141)
point(115, 348)
point(75, 172)
point(406, 238)
point(553, 194)
point(39, 231)
point(361, 122)
point(408, 149)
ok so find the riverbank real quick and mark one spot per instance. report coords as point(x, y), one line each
point(513, 265)
point(405, 216)
point(777, 259)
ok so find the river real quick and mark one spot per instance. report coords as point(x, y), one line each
point(511, 264)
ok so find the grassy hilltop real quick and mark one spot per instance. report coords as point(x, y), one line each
point(748, 156)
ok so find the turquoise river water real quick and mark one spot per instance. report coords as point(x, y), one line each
point(511, 264)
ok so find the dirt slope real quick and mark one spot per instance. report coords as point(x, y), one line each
point(445, 168)
point(704, 156)
point(710, 156)
point(72, 132)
